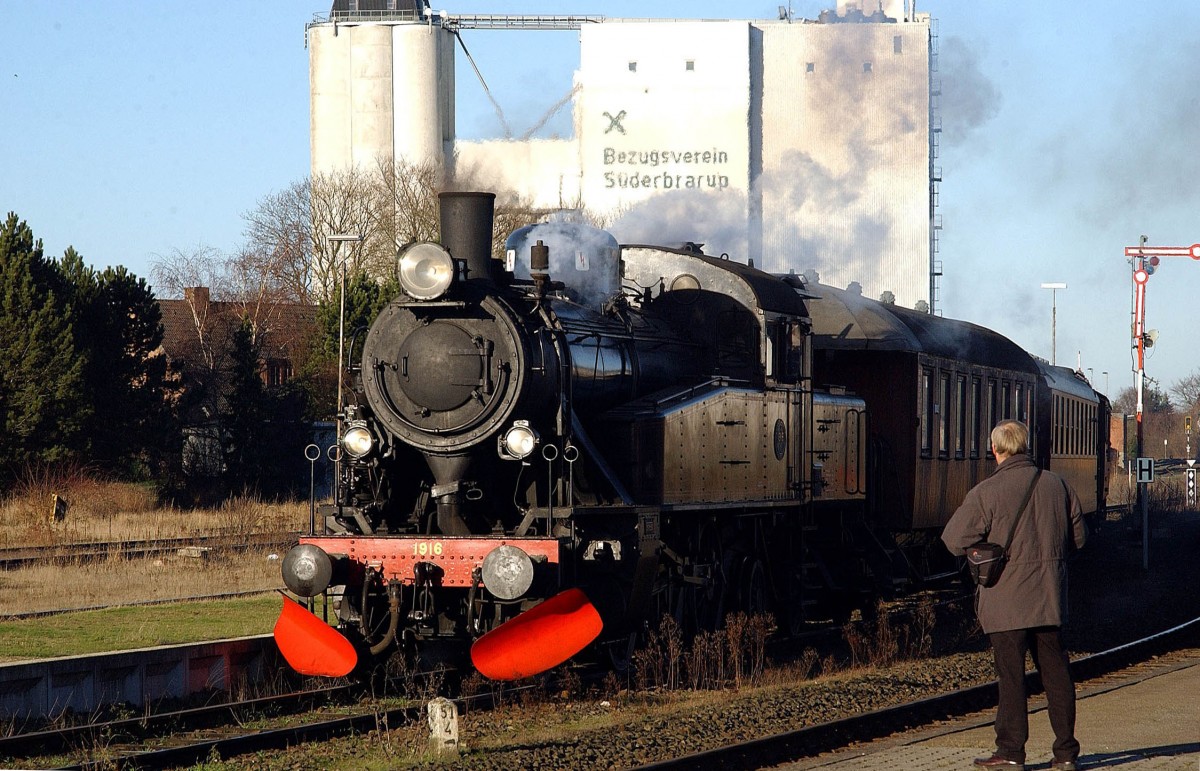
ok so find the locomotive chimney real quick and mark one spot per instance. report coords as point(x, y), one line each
point(539, 267)
point(539, 258)
point(467, 230)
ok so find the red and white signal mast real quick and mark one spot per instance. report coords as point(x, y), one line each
point(1145, 260)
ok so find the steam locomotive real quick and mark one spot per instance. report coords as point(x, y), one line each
point(545, 454)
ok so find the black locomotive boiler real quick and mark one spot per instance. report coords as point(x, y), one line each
point(550, 451)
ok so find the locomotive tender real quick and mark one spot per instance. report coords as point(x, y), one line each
point(554, 450)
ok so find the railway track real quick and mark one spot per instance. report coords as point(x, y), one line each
point(24, 556)
point(225, 740)
point(130, 743)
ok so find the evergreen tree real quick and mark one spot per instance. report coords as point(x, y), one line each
point(43, 409)
point(244, 412)
point(142, 432)
point(119, 325)
point(264, 430)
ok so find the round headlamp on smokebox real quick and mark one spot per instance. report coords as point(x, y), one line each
point(519, 441)
point(425, 270)
point(357, 440)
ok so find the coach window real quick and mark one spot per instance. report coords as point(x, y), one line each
point(1083, 428)
point(1006, 399)
point(960, 439)
point(976, 414)
point(1066, 426)
point(993, 406)
point(1079, 429)
point(926, 411)
point(944, 417)
point(1072, 425)
point(1022, 407)
point(1069, 448)
point(1056, 425)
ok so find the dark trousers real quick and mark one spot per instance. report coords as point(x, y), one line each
point(1012, 717)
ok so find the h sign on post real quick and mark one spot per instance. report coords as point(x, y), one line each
point(1145, 471)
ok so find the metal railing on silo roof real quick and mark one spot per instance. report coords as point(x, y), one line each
point(469, 21)
point(515, 21)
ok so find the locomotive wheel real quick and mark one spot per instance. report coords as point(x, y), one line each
point(753, 592)
point(708, 600)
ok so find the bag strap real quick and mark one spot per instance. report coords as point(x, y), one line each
point(1021, 512)
point(1067, 509)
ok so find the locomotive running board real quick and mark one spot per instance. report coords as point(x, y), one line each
point(541, 638)
point(310, 646)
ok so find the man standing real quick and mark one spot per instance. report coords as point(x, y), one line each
point(1025, 609)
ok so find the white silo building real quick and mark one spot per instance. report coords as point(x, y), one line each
point(798, 144)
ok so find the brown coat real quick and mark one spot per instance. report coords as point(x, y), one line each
point(1032, 589)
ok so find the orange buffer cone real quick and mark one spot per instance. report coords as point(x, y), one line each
point(311, 646)
point(540, 638)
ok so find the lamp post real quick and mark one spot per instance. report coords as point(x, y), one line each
point(1053, 287)
point(337, 240)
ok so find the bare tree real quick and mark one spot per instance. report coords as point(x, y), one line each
point(409, 192)
point(1187, 390)
point(279, 244)
point(288, 256)
point(193, 276)
point(347, 202)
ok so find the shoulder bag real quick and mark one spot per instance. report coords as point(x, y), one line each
point(986, 560)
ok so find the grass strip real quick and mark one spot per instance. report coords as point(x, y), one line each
point(124, 628)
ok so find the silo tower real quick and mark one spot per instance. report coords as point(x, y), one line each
point(381, 74)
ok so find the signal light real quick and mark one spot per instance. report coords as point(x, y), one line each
point(1154, 260)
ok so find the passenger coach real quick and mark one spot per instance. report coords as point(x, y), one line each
point(1074, 441)
point(936, 387)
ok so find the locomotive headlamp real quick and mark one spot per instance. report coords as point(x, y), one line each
point(357, 441)
point(520, 440)
point(426, 271)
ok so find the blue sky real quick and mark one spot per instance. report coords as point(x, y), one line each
point(133, 128)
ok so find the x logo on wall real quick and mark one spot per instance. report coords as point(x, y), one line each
point(615, 123)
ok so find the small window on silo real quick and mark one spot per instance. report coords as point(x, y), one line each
point(633, 66)
point(897, 45)
point(866, 67)
point(810, 67)
point(690, 65)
